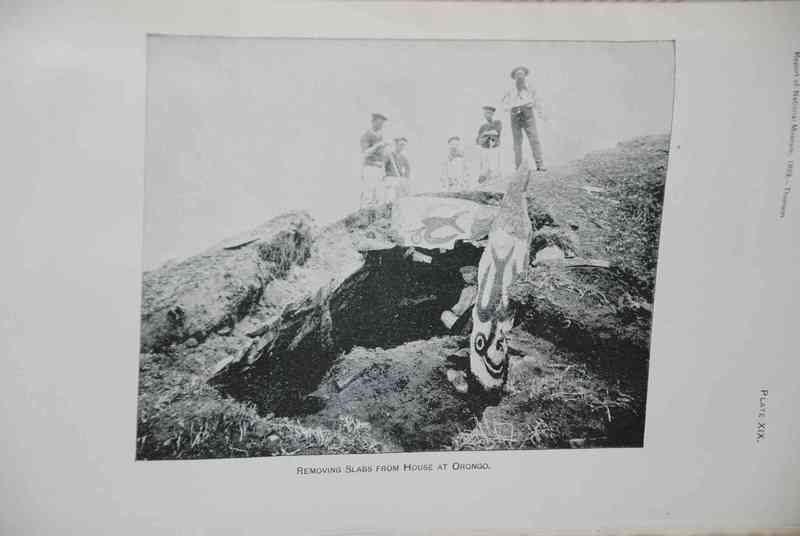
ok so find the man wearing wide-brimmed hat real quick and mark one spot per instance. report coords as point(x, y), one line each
point(373, 159)
point(520, 100)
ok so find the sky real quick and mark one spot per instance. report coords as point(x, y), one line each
point(240, 130)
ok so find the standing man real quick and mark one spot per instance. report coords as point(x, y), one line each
point(489, 142)
point(397, 171)
point(454, 172)
point(373, 159)
point(520, 100)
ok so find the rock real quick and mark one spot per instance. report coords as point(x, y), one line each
point(462, 353)
point(257, 332)
point(343, 383)
point(416, 256)
point(191, 342)
point(292, 352)
point(224, 331)
point(434, 222)
point(458, 378)
point(221, 364)
point(549, 254)
point(593, 189)
point(214, 288)
point(244, 353)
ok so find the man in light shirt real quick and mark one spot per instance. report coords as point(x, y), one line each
point(373, 160)
point(520, 100)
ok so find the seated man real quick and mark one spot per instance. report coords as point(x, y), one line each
point(397, 172)
point(490, 123)
point(489, 142)
point(490, 155)
point(453, 178)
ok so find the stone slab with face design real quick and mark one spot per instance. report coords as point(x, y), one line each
point(505, 257)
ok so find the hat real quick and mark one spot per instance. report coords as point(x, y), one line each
point(520, 68)
point(401, 138)
point(489, 133)
point(451, 138)
point(492, 108)
point(379, 116)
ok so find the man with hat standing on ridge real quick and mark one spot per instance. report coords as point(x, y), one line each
point(373, 159)
point(520, 100)
point(489, 142)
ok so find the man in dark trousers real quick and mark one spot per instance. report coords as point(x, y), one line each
point(520, 100)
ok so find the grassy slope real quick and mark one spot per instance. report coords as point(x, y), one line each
point(557, 395)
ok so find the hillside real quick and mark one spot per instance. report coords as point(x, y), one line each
point(292, 339)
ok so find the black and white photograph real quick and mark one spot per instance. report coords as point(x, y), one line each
point(367, 246)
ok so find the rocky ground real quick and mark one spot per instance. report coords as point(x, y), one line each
point(297, 340)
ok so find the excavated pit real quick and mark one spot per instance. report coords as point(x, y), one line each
point(391, 300)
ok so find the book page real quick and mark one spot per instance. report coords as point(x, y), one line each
point(389, 268)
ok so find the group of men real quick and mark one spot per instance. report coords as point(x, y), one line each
point(455, 176)
point(386, 172)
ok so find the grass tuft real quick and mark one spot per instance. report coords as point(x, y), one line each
point(497, 435)
point(289, 248)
